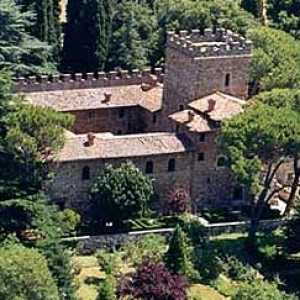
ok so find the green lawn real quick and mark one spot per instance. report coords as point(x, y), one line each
point(90, 275)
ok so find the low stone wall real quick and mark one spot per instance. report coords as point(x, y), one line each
point(89, 244)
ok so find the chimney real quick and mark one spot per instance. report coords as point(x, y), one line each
point(211, 105)
point(148, 82)
point(107, 97)
point(191, 116)
point(90, 139)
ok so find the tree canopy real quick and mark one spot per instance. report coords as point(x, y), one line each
point(24, 275)
point(120, 193)
point(19, 51)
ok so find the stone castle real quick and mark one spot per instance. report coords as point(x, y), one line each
point(166, 123)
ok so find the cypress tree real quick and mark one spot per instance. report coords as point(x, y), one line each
point(177, 256)
point(87, 35)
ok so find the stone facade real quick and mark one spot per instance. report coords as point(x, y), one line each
point(152, 117)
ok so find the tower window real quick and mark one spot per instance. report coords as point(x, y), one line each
point(201, 156)
point(172, 165)
point(202, 137)
point(238, 193)
point(91, 115)
point(154, 118)
point(121, 113)
point(149, 167)
point(86, 173)
point(227, 79)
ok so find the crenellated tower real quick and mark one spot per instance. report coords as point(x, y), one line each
point(198, 64)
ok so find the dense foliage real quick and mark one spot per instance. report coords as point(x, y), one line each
point(19, 51)
point(87, 35)
point(153, 281)
point(120, 193)
point(24, 275)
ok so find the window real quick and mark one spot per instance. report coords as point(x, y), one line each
point(149, 167)
point(181, 107)
point(121, 113)
point(227, 80)
point(172, 165)
point(119, 132)
point(202, 137)
point(154, 118)
point(177, 128)
point(238, 193)
point(201, 156)
point(85, 173)
point(91, 115)
point(221, 162)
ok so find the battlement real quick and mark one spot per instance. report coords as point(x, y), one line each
point(220, 42)
point(84, 81)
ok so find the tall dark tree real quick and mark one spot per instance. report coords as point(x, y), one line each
point(87, 35)
point(46, 26)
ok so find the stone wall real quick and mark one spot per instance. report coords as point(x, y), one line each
point(194, 71)
point(83, 81)
point(69, 188)
point(90, 244)
point(122, 120)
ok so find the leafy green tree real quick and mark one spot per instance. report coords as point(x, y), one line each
point(120, 193)
point(292, 233)
point(178, 256)
point(257, 143)
point(33, 135)
point(87, 35)
point(261, 290)
point(24, 275)
point(276, 60)
point(20, 52)
point(289, 98)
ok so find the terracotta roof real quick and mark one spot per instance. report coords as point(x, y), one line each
point(110, 146)
point(192, 120)
point(226, 106)
point(82, 99)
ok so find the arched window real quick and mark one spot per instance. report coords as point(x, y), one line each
point(149, 167)
point(86, 173)
point(221, 161)
point(227, 79)
point(181, 107)
point(172, 165)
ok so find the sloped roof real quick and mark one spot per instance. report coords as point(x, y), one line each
point(196, 123)
point(84, 99)
point(110, 146)
point(226, 106)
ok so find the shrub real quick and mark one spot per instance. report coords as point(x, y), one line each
point(69, 221)
point(109, 262)
point(261, 290)
point(178, 201)
point(238, 271)
point(151, 247)
point(120, 194)
point(107, 290)
point(178, 258)
point(153, 281)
